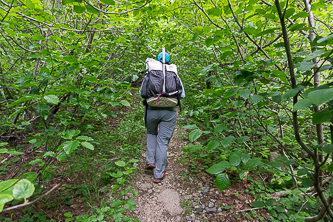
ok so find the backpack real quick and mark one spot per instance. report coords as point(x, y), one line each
point(153, 85)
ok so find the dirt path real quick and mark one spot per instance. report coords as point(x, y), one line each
point(161, 202)
point(185, 196)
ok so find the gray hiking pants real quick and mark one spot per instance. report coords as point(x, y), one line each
point(160, 125)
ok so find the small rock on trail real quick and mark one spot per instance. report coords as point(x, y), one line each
point(171, 201)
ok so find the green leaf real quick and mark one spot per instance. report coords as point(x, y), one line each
point(330, 168)
point(53, 99)
point(289, 12)
point(245, 157)
point(230, 93)
point(227, 141)
point(68, 215)
point(270, 202)
point(133, 161)
point(65, 2)
point(322, 116)
point(23, 189)
point(315, 54)
point(253, 163)
point(49, 153)
point(307, 182)
point(296, 27)
point(3, 144)
point(70, 146)
point(125, 103)
point(69, 134)
point(3, 150)
point(117, 203)
point(85, 138)
point(79, 9)
point(212, 145)
point(305, 66)
point(256, 98)
point(91, 9)
point(4, 185)
point(108, 2)
point(300, 15)
point(244, 93)
point(87, 145)
point(267, 31)
point(270, 16)
point(260, 11)
point(190, 127)
point(222, 181)
point(235, 159)
point(328, 148)
point(194, 135)
point(289, 162)
point(62, 157)
point(280, 208)
point(36, 161)
point(14, 152)
point(29, 4)
point(209, 41)
point(302, 172)
point(325, 39)
point(302, 104)
point(276, 164)
point(292, 92)
point(218, 168)
point(320, 96)
point(207, 29)
point(258, 204)
point(21, 100)
point(219, 128)
point(120, 163)
point(325, 67)
point(117, 175)
point(4, 198)
point(242, 139)
point(130, 204)
point(214, 11)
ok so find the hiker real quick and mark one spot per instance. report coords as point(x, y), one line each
point(160, 110)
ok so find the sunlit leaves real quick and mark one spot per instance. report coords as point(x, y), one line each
point(214, 11)
point(53, 99)
point(79, 9)
point(88, 145)
point(289, 12)
point(23, 189)
point(108, 2)
point(70, 146)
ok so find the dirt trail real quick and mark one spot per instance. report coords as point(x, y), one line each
point(161, 202)
point(184, 196)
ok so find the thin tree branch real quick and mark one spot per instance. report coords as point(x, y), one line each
point(29, 203)
point(203, 11)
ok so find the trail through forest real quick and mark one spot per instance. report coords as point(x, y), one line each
point(188, 196)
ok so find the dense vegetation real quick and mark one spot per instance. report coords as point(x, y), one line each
point(259, 97)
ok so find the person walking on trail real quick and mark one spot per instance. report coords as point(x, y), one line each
point(162, 90)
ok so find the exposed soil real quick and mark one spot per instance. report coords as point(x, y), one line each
point(185, 196)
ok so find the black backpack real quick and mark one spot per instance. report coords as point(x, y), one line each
point(152, 87)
